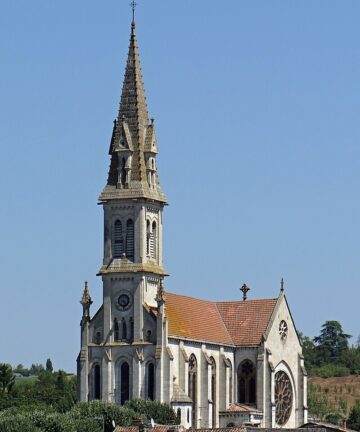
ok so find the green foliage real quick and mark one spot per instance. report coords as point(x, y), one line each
point(159, 412)
point(331, 343)
point(7, 378)
point(354, 418)
point(331, 370)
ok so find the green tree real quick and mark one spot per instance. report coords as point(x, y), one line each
point(36, 369)
point(49, 366)
point(331, 343)
point(354, 417)
point(7, 378)
point(308, 349)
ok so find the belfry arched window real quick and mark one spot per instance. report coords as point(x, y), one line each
point(247, 382)
point(230, 381)
point(116, 330)
point(192, 386)
point(148, 234)
point(96, 382)
point(130, 239)
point(154, 240)
point(118, 240)
point(213, 390)
point(150, 381)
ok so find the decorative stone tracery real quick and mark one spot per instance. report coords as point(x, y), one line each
point(283, 398)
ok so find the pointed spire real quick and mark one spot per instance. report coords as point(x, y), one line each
point(160, 295)
point(86, 299)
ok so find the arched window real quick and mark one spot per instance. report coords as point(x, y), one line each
point(213, 390)
point(131, 325)
point(247, 382)
point(123, 329)
point(116, 330)
point(148, 235)
point(150, 381)
point(193, 387)
point(97, 382)
point(123, 171)
point(130, 239)
point(98, 338)
point(118, 240)
point(178, 414)
point(124, 383)
point(154, 240)
point(230, 381)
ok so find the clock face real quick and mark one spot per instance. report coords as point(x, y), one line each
point(123, 301)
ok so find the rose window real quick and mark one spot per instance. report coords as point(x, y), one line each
point(283, 398)
point(283, 330)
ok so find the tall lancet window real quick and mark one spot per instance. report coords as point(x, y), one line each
point(130, 239)
point(148, 235)
point(193, 387)
point(247, 382)
point(150, 381)
point(123, 329)
point(116, 330)
point(153, 239)
point(213, 390)
point(118, 240)
point(123, 172)
point(96, 382)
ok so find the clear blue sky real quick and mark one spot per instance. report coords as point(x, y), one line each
point(257, 108)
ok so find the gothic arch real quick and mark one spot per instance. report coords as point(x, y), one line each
point(246, 380)
point(122, 384)
point(285, 393)
point(150, 380)
point(192, 386)
point(96, 381)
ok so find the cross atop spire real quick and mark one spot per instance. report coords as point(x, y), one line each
point(133, 5)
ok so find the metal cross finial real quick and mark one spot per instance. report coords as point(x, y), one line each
point(133, 6)
point(244, 290)
point(282, 285)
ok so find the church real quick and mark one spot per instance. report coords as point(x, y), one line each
point(218, 364)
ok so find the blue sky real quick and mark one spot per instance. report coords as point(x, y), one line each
point(257, 108)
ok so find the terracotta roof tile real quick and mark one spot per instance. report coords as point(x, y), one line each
point(232, 323)
point(195, 319)
point(246, 321)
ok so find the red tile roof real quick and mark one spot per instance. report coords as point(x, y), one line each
point(231, 323)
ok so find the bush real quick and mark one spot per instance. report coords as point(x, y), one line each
point(161, 413)
point(331, 370)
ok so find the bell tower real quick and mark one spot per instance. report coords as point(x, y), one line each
point(133, 203)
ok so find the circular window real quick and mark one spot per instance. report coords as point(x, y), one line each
point(123, 301)
point(283, 398)
point(283, 330)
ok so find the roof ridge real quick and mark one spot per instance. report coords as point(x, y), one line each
point(217, 301)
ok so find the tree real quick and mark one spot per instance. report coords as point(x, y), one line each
point(49, 366)
point(331, 343)
point(36, 369)
point(308, 349)
point(354, 417)
point(7, 378)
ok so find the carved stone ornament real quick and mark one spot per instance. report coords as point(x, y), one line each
point(283, 330)
point(283, 398)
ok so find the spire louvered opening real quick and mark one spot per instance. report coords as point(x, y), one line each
point(118, 240)
point(130, 240)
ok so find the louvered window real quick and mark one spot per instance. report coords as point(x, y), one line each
point(148, 235)
point(123, 330)
point(130, 239)
point(153, 241)
point(118, 240)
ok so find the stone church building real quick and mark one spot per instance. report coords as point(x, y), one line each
point(217, 363)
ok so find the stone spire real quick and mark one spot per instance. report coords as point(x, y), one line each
point(86, 302)
point(133, 145)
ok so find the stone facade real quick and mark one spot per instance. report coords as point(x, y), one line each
point(216, 363)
